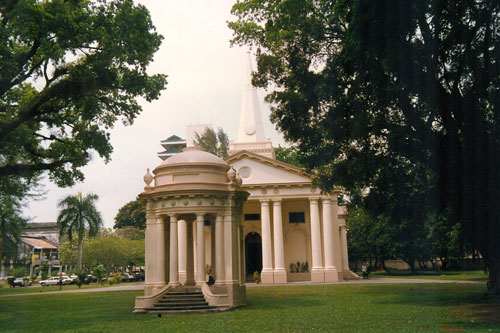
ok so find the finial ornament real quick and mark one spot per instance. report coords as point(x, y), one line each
point(231, 174)
point(148, 178)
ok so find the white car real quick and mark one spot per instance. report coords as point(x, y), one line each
point(54, 281)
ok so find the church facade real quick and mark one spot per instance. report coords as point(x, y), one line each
point(291, 231)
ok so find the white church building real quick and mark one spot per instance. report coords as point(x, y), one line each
point(284, 228)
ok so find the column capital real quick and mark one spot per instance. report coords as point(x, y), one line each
point(326, 199)
point(276, 200)
point(264, 202)
point(172, 215)
point(200, 214)
point(314, 199)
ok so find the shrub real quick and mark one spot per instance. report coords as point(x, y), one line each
point(18, 272)
point(256, 276)
point(82, 277)
point(99, 272)
point(118, 278)
point(44, 275)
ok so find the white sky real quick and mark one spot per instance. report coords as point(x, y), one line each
point(205, 83)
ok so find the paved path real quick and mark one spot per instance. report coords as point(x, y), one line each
point(140, 286)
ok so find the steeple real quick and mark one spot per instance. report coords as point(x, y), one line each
point(251, 128)
point(251, 135)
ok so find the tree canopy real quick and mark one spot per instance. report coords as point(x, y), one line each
point(133, 214)
point(69, 71)
point(399, 97)
point(215, 143)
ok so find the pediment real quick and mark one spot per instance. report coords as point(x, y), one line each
point(255, 169)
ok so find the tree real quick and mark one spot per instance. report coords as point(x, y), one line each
point(69, 71)
point(130, 233)
point(79, 216)
point(11, 219)
point(215, 143)
point(133, 214)
point(288, 155)
point(402, 98)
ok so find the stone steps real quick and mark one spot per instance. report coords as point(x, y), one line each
point(181, 300)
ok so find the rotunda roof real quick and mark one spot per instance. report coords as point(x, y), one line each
point(194, 155)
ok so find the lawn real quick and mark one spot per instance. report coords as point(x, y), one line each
point(443, 275)
point(36, 288)
point(345, 308)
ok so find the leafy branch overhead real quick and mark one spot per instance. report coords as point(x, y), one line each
point(69, 71)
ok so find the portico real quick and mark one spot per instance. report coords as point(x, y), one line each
point(194, 192)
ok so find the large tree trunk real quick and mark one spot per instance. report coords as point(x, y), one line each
point(494, 278)
point(80, 250)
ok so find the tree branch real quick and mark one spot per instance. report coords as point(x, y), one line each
point(19, 169)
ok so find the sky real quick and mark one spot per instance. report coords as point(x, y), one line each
point(206, 78)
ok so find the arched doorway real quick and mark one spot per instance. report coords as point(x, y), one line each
point(253, 254)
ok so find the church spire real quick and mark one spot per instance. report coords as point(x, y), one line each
point(251, 128)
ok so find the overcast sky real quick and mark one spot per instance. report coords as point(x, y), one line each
point(205, 83)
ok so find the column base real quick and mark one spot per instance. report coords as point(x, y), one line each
point(280, 276)
point(332, 275)
point(317, 275)
point(182, 277)
point(267, 277)
point(153, 288)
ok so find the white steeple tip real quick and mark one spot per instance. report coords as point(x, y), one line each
point(251, 128)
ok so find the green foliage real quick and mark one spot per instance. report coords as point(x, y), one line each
point(215, 143)
point(288, 155)
point(99, 272)
point(107, 250)
point(70, 70)
point(81, 279)
point(130, 233)
point(79, 216)
point(401, 99)
point(44, 274)
point(18, 272)
point(133, 214)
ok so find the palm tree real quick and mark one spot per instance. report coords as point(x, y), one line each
point(79, 216)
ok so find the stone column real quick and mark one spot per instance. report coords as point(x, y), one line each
point(189, 254)
point(219, 249)
point(200, 247)
point(279, 255)
point(174, 257)
point(331, 274)
point(160, 255)
point(343, 240)
point(267, 275)
point(150, 254)
point(182, 250)
point(317, 272)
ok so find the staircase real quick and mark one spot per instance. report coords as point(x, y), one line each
point(181, 300)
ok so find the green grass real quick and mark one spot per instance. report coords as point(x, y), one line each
point(36, 288)
point(342, 308)
point(443, 275)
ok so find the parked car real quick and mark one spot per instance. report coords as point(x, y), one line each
point(74, 279)
point(139, 276)
point(54, 281)
point(21, 282)
point(127, 277)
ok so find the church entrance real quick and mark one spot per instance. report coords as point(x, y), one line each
point(253, 254)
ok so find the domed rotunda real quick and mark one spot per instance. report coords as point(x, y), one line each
point(188, 193)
